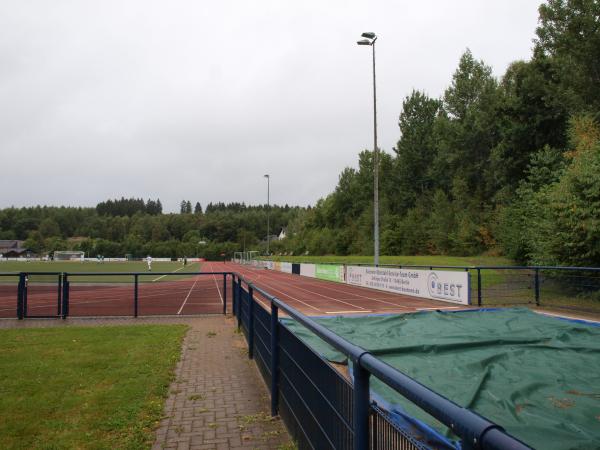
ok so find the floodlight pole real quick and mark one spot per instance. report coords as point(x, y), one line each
point(268, 210)
point(370, 40)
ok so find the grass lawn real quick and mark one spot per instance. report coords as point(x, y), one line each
point(97, 388)
point(92, 266)
point(427, 260)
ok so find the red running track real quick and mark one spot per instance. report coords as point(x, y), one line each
point(321, 298)
point(201, 294)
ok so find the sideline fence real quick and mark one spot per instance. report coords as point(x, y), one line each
point(571, 288)
point(320, 406)
point(59, 294)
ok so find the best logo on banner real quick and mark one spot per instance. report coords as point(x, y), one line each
point(448, 286)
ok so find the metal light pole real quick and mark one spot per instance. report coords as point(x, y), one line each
point(370, 39)
point(268, 210)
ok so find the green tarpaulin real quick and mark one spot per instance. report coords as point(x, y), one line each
point(537, 376)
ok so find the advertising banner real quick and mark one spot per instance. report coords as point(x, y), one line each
point(448, 286)
point(286, 267)
point(329, 272)
point(277, 266)
point(307, 270)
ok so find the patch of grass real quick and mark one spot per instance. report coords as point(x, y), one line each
point(195, 397)
point(211, 334)
point(74, 267)
point(424, 260)
point(288, 446)
point(85, 387)
point(256, 418)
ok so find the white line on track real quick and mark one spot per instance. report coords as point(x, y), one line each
point(162, 276)
point(188, 295)
point(270, 286)
point(295, 286)
point(216, 284)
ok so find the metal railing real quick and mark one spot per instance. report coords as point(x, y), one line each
point(321, 407)
point(80, 294)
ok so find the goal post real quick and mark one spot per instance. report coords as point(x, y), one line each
point(250, 256)
point(238, 257)
point(69, 255)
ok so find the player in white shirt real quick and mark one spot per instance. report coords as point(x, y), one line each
point(149, 261)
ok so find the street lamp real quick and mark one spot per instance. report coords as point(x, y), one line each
point(369, 39)
point(268, 209)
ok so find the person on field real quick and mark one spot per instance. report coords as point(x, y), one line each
point(149, 261)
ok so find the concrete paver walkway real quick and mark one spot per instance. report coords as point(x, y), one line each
point(218, 400)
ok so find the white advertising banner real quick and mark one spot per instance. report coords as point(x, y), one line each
point(448, 286)
point(286, 267)
point(307, 270)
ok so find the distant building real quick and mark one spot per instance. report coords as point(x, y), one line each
point(12, 248)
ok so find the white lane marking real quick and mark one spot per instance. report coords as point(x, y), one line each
point(162, 276)
point(270, 286)
point(216, 284)
point(188, 295)
point(323, 295)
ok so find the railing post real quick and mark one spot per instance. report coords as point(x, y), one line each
point(233, 295)
point(25, 288)
point(239, 303)
point(224, 294)
point(274, 359)
point(250, 322)
point(478, 286)
point(21, 296)
point(135, 294)
point(65, 305)
point(360, 413)
point(58, 295)
point(537, 286)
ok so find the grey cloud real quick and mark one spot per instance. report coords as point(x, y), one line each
point(198, 100)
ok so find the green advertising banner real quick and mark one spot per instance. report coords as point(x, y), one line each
point(329, 272)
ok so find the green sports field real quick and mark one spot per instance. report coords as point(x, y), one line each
point(74, 267)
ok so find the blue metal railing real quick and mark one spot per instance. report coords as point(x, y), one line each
point(60, 282)
point(475, 431)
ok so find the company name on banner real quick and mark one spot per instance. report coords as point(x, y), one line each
point(443, 285)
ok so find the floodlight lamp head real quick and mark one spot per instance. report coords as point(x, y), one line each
point(363, 42)
point(266, 175)
point(369, 35)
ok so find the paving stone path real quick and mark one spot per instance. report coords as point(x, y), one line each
point(218, 399)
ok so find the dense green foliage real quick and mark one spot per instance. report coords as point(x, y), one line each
point(501, 166)
point(114, 228)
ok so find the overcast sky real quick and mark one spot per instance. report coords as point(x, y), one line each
point(199, 99)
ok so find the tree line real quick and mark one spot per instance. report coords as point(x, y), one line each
point(114, 229)
point(507, 165)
